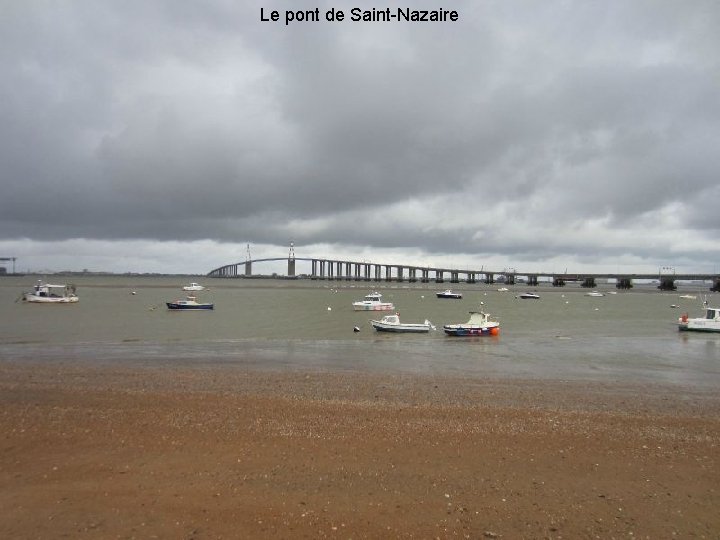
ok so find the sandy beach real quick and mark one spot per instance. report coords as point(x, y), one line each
point(113, 451)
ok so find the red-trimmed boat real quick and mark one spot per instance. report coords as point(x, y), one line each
point(478, 325)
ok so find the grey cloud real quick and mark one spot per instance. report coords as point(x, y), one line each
point(153, 120)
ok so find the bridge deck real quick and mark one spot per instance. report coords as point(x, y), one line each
point(338, 269)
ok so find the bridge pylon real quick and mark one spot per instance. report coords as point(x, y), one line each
point(291, 260)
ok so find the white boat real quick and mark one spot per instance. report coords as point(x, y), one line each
point(373, 302)
point(478, 325)
point(503, 289)
point(193, 287)
point(709, 323)
point(391, 323)
point(688, 296)
point(594, 294)
point(529, 295)
point(42, 293)
point(447, 293)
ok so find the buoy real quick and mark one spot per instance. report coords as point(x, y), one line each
point(329, 308)
point(133, 292)
point(356, 329)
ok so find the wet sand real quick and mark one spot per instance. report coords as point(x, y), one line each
point(112, 451)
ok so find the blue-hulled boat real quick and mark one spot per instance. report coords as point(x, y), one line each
point(191, 304)
point(478, 325)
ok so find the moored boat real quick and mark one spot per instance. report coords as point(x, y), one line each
point(594, 294)
point(709, 323)
point(478, 325)
point(391, 323)
point(373, 302)
point(449, 294)
point(529, 295)
point(191, 304)
point(193, 287)
point(42, 293)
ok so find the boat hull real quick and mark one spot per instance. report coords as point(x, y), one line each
point(469, 331)
point(181, 307)
point(699, 325)
point(50, 299)
point(401, 328)
point(454, 296)
point(373, 307)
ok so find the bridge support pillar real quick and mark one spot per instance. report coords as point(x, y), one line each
point(454, 277)
point(425, 276)
point(413, 275)
point(558, 282)
point(533, 281)
point(716, 285)
point(439, 276)
point(510, 279)
point(589, 283)
point(623, 283)
point(470, 277)
point(291, 268)
point(667, 284)
point(400, 273)
point(248, 268)
point(489, 278)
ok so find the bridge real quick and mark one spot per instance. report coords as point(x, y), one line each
point(347, 270)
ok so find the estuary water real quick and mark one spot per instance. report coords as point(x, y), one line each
point(300, 325)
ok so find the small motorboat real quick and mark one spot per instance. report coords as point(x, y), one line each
point(530, 296)
point(709, 323)
point(478, 325)
point(449, 294)
point(688, 296)
point(193, 287)
point(391, 323)
point(191, 304)
point(373, 302)
point(503, 289)
point(594, 294)
point(42, 293)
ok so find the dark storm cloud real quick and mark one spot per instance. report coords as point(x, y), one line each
point(160, 121)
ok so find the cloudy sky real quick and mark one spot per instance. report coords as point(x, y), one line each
point(165, 136)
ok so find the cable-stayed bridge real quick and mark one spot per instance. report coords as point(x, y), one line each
point(348, 270)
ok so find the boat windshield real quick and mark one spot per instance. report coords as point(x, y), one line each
point(711, 314)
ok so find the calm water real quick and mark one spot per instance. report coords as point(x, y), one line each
point(299, 325)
